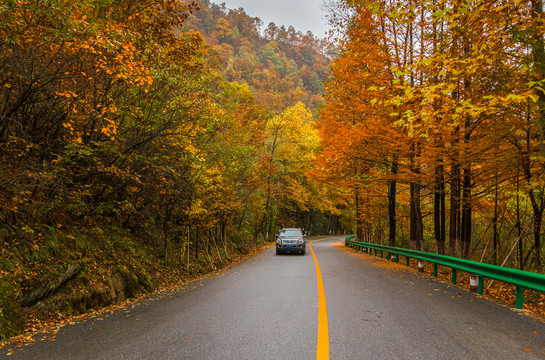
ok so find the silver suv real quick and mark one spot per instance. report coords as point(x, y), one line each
point(291, 240)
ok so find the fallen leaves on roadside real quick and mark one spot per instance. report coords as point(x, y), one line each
point(46, 325)
point(533, 300)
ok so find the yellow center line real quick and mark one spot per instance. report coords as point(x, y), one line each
point(322, 351)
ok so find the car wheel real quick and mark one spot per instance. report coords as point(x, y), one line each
point(304, 252)
point(277, 251)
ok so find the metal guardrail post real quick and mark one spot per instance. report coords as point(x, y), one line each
point(474, 282)
point(520, 297)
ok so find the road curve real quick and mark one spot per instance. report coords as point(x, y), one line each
point(268, 308)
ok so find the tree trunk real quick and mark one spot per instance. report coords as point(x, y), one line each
point(519, 229)
point(392, 205)
point(454, 210)
point(416, 229)
point(537, 206)
point(439, 212)
point(197, 242)
point(165, 241)
point(538, 52)
point(267, 218)
point(466, 214)
point(188, 243)
point(45, 289)
point(224, 237)
point(495, 226)
point(359, 222)
point(308, 224)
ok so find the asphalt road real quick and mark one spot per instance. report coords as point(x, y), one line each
point(268, 308)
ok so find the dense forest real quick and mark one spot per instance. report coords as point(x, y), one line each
point(435, 119)
point(281, 66)
point(142, 142)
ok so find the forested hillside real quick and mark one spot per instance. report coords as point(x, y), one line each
point(142, 142)
point(281, 66)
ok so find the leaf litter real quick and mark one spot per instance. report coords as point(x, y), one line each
point(533, 300)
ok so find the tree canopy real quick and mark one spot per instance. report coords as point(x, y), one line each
point(156, 134)
point(434, 121)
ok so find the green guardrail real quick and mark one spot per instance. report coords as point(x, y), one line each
point(521, 279)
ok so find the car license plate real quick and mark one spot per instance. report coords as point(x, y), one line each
point(289, 245)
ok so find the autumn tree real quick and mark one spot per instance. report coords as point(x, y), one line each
point(462, 96)
point(290, 146)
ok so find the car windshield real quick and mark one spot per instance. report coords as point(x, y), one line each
point(291, 233)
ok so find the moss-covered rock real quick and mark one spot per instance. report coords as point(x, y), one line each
point(11, 321)
point(136, 281)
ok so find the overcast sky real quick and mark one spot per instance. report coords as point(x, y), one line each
point(303, 15)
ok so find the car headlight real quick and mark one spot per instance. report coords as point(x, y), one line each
point(301, 241)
